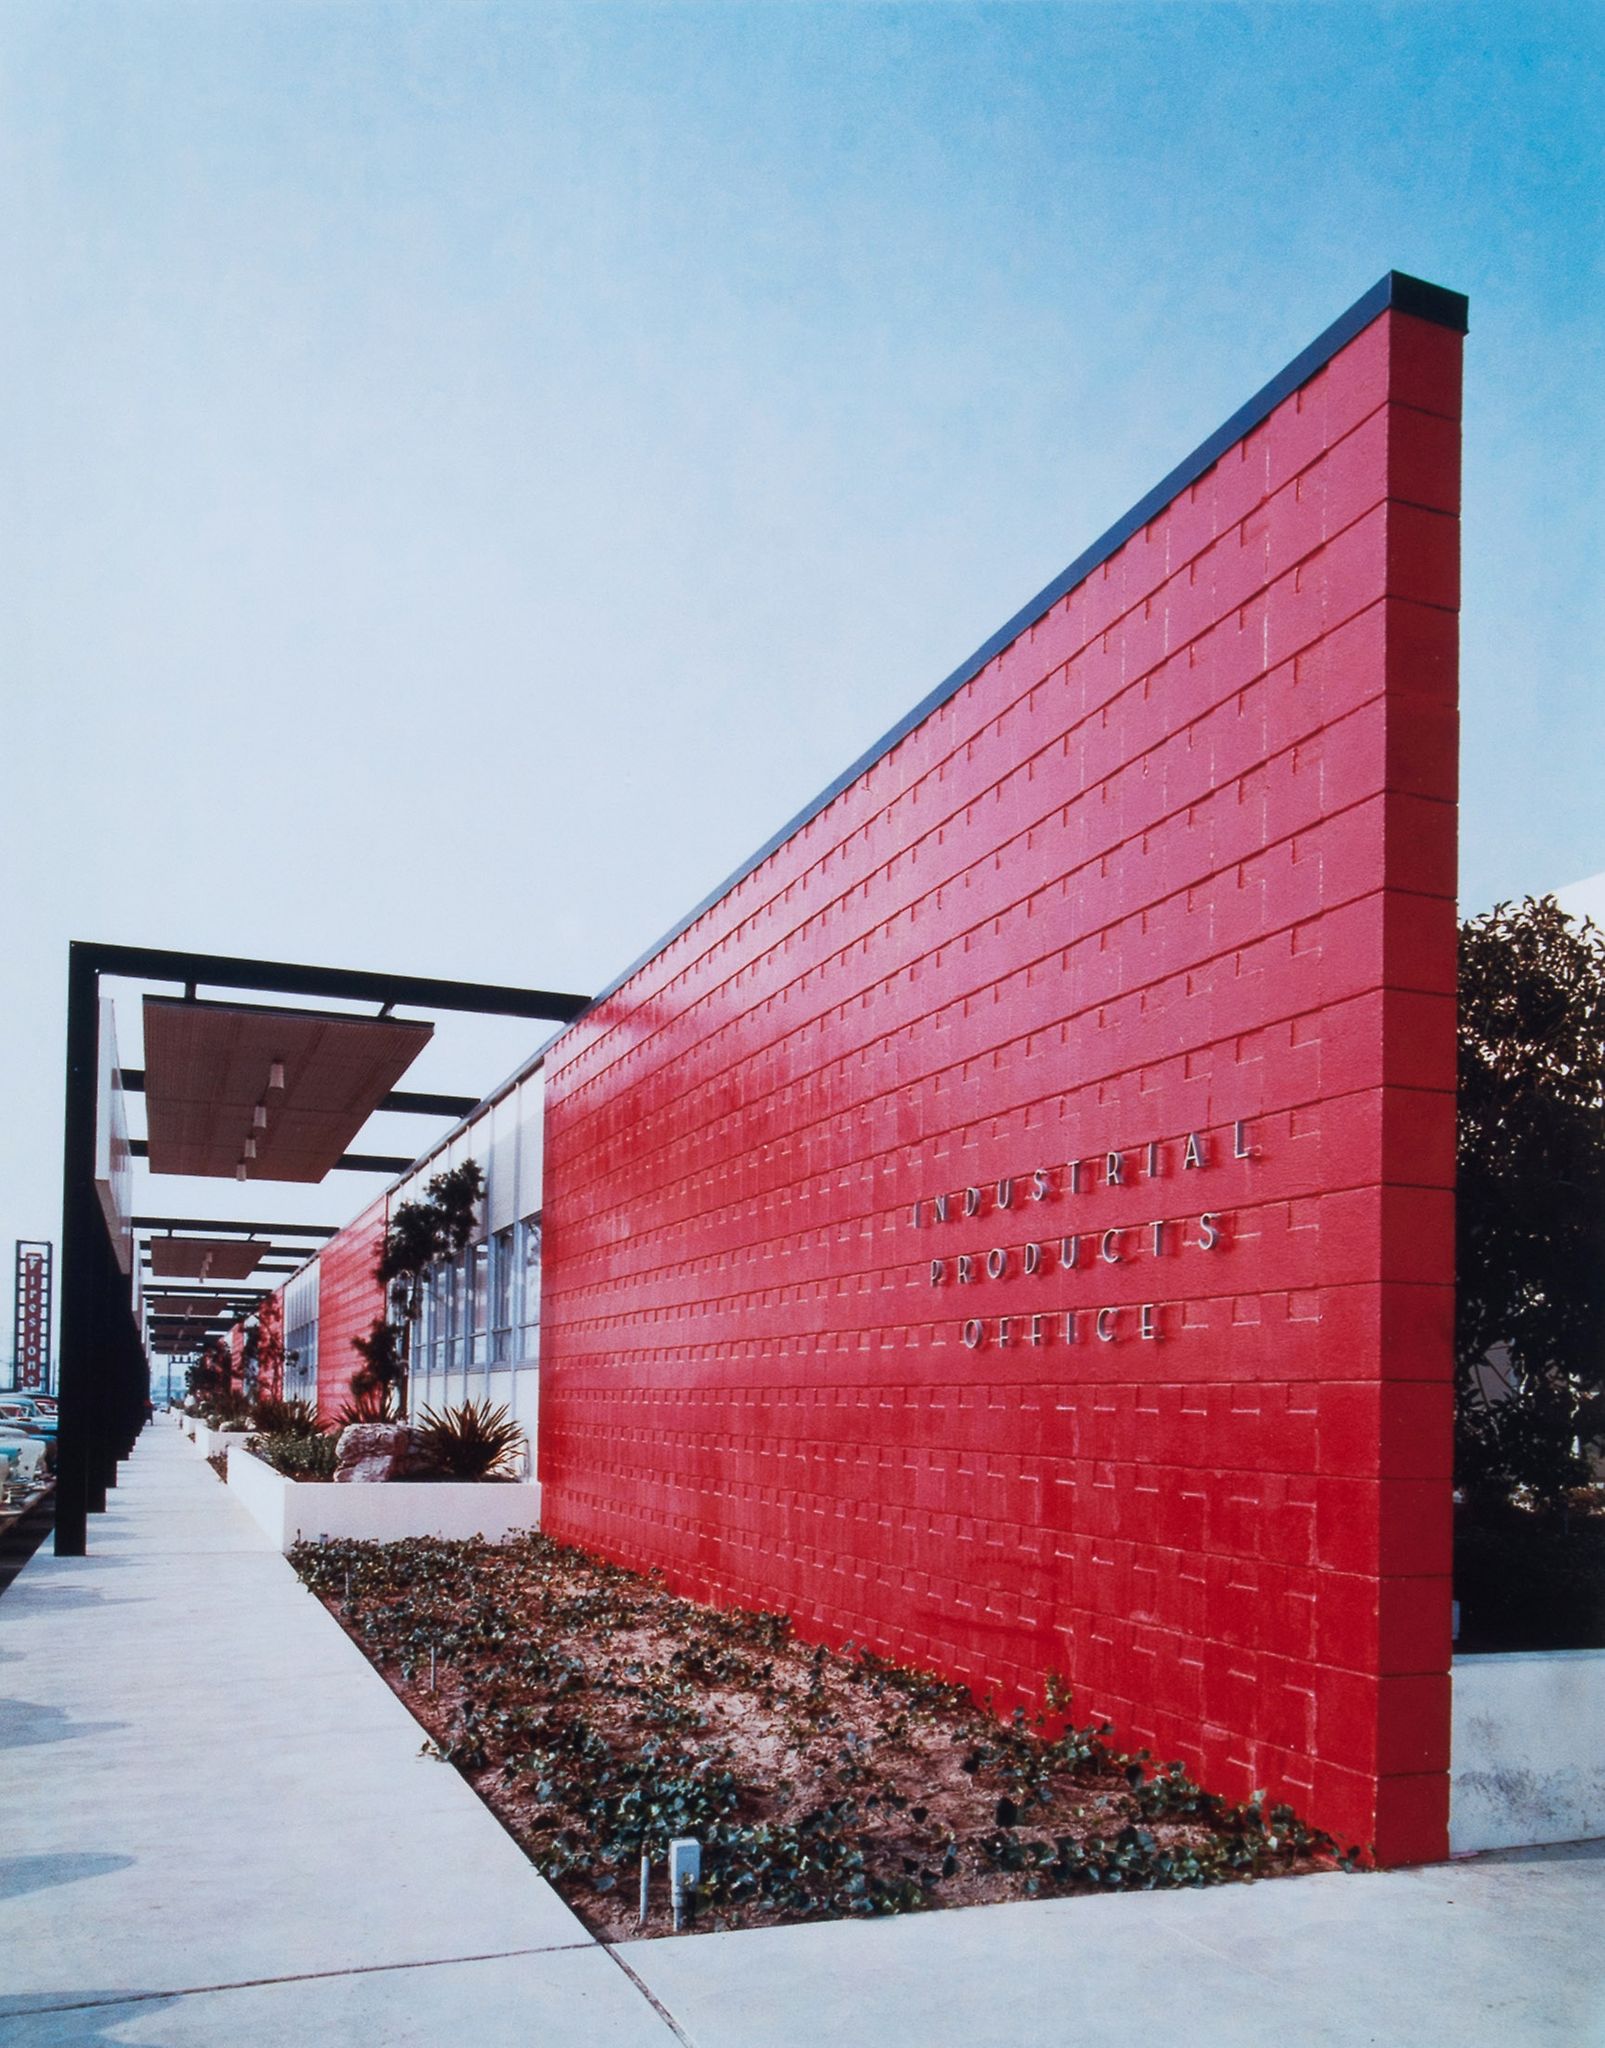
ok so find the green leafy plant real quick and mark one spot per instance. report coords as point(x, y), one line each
point(369, 1404)
point(1530, 1277)
point(381, 1370)
point(208, 1377)
point(266, 1343)
point(286, 1418)
point(600, 1716)
point(297, 1455)
point(229, 1407)
point(420, 1235)
point(471, 1441)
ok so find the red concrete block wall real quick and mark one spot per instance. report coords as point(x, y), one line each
point(1171, 878)
point(350, 1302)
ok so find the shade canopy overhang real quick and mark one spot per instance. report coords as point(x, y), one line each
point(205, 1258)
point(251, 1092)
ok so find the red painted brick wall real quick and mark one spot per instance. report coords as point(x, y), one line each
point(1181, 857)
point(350, 1301)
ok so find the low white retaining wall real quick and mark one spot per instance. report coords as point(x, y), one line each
point(1528, 1749)
point(210, 1442)
point(290, 1511)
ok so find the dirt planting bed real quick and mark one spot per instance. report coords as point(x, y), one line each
point(599, 1716)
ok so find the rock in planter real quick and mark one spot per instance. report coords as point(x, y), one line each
point(373, 1451)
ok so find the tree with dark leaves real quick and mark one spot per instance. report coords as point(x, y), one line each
point(420, 1235)
point(1530, 1307)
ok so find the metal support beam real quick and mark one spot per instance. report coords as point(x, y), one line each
point(215, 1225)
point(352, 984)
point(417, 1102)
point(348, 1162)
point(401, 1101)
point(104, 1370)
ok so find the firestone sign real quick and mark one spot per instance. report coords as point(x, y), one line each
point(1086, 1251)
point(32, 1332)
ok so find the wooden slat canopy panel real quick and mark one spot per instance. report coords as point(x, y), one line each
point(208, 1067)
point(209, 1258)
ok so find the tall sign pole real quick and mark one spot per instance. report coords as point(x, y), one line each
point(31, 1348)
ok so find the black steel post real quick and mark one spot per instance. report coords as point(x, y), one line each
point(104, 1372)
point(77, 1451)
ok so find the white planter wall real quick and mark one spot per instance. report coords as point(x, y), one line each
point(210, 1441)
point(290, 1512)
point(1528, 1749)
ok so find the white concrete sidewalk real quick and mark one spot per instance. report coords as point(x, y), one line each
point(216, 1829)
point(206, 1785)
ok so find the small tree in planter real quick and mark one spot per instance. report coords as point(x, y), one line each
point(207, 1378)
point(269, 1351)
point(1530, 1285)
point(1530, 1311)
point(421, 1235)
point(250, 1363)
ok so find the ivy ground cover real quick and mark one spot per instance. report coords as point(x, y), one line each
point(600, 1716)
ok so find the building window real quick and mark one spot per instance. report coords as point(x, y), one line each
point(528, 1255)
point(502, 1275)
point(423, 1336)
point(456, 1309)
point(479, 1281)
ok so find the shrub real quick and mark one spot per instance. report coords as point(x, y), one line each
point(298, 1456)
point(471, 1441)
point(1530, 1206)
point(228, 1405)
point(286, 1418)
point(368, 1404)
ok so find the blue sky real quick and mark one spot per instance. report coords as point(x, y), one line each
point(475, 471)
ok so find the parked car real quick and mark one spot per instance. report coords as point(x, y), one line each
point(22, 1412)
point(25, 1461)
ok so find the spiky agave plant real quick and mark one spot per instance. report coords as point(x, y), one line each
point(471, 1441)
point(368, 1403)
point(286, 1418)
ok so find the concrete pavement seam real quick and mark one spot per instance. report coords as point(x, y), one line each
point(302, 1977)
point(650, 1996)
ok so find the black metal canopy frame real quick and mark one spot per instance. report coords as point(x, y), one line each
point(104, 1371)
